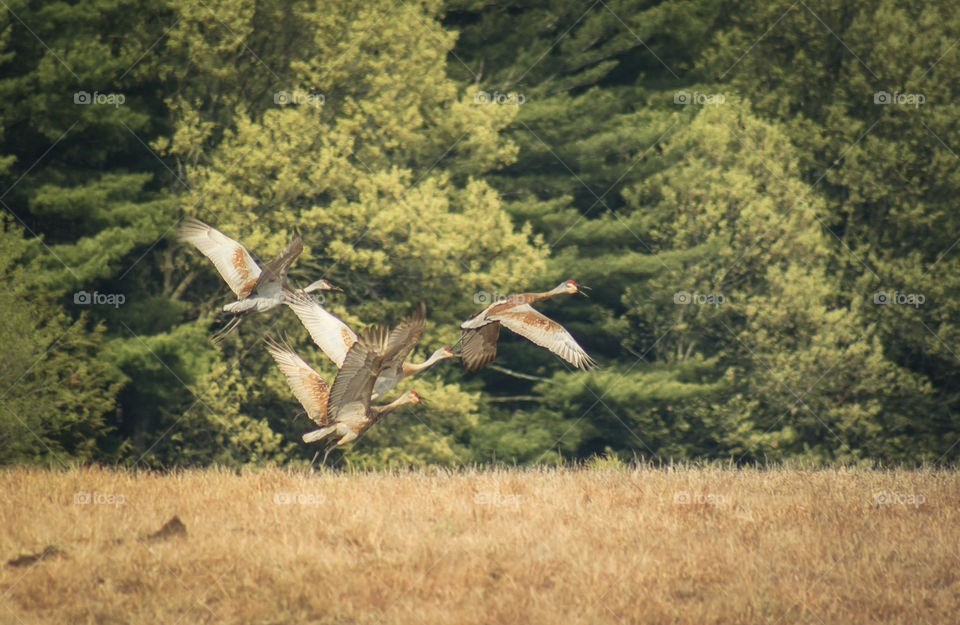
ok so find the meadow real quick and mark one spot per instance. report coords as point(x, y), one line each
point(590, 545)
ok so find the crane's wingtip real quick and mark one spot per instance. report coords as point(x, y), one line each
point(278, 342)
point(190, 227)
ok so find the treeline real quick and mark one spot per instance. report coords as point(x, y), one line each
point(760, 197)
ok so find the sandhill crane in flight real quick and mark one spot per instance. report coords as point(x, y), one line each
point(256, 289)
point(354, 415)
point(308, 387)
point(481, 331)
point(335, 338)
point(349, 413)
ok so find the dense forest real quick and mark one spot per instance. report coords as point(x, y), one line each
point(760, 197)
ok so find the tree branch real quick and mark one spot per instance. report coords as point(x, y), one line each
point(514, 398)
point(177, 292)
point(517, 374)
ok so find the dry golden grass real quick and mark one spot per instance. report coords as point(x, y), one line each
point(587, 546)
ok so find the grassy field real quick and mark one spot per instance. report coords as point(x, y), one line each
point(585, 546)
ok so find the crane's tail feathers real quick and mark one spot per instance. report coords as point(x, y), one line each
point(316, 435)
point(243, 305)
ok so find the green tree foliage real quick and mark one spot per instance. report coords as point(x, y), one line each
point(780, 332)
point(78, 105)
point(82, 99)
point(53, 389)
point(868, 91)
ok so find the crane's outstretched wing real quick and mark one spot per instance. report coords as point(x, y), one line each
point(307, 385)
point(405, 337)
point(545, 332)
point(351, 390)
point(330, 333)
point(277, 268)
point(479, 346)
point(232, 260)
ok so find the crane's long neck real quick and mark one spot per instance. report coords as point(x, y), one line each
point(410, 368)
point(379, 411)
point(530, 298)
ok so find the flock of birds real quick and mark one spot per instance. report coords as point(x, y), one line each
point(374, 361)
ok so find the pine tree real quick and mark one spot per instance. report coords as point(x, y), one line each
point(53, 389)
point(870, 99)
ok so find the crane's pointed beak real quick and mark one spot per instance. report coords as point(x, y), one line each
point(580, 289)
